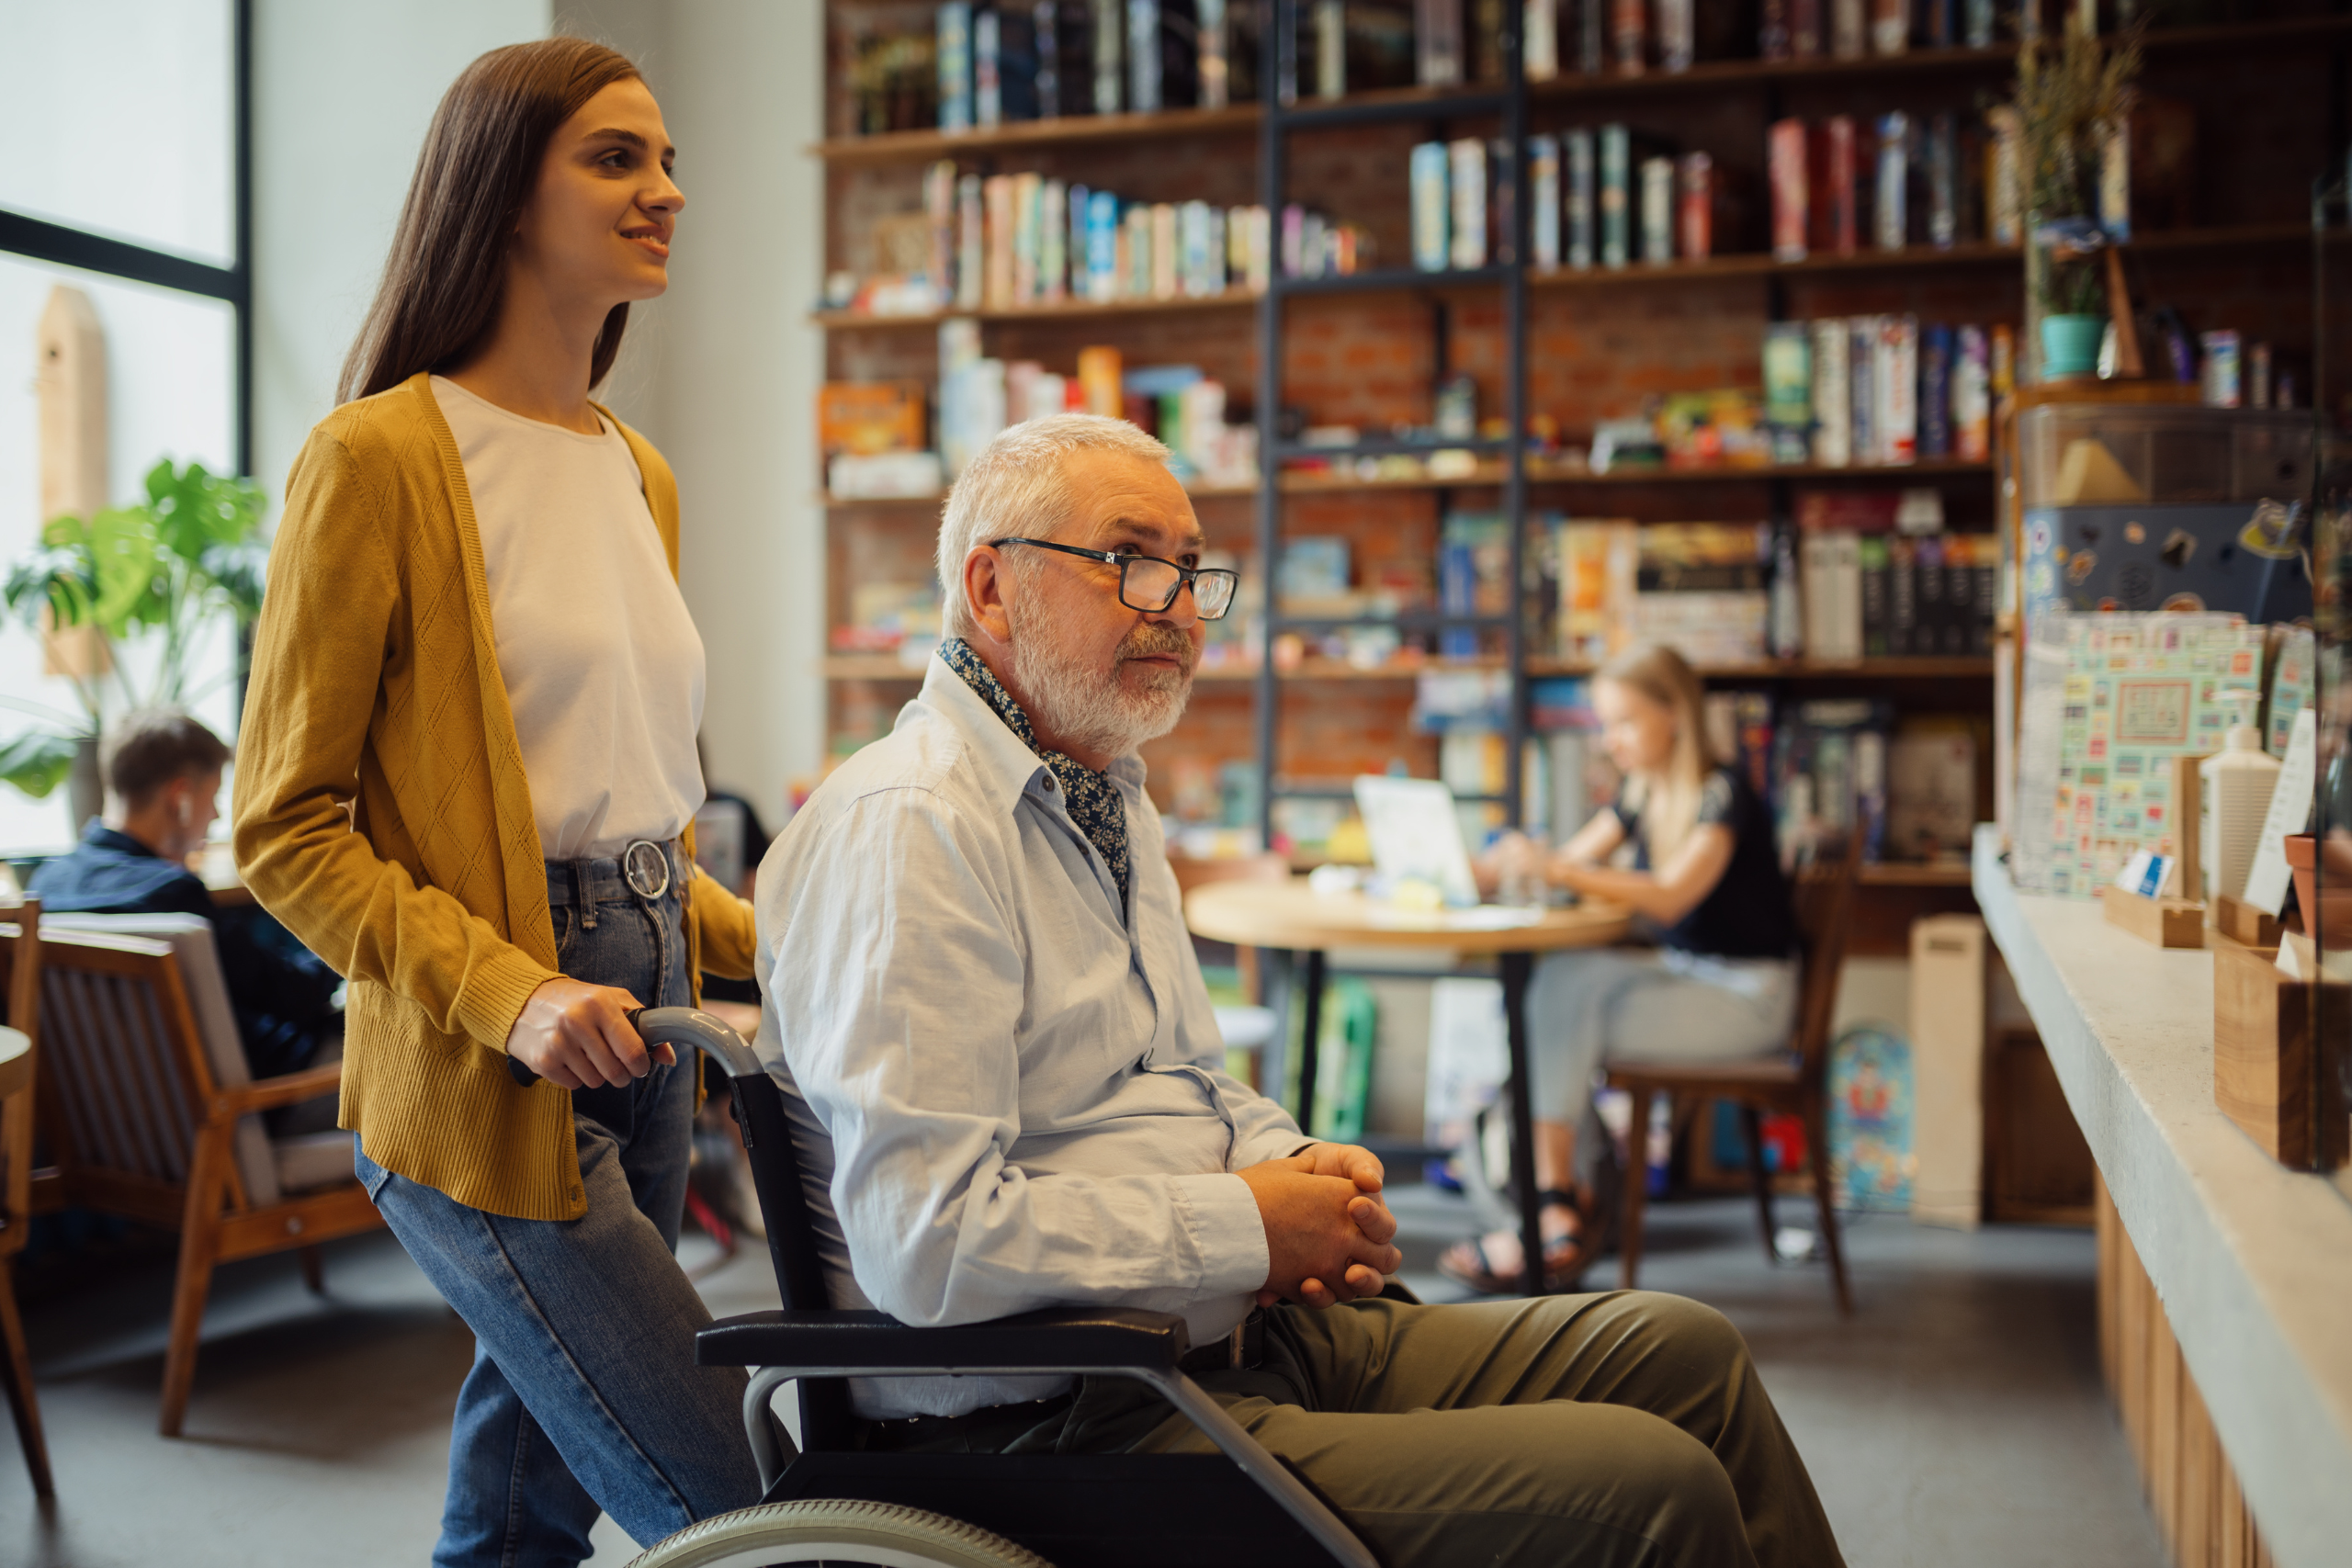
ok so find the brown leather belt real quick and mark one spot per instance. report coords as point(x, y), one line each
point(1238, 1352)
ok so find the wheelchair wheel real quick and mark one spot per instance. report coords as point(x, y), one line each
point(883, 1535)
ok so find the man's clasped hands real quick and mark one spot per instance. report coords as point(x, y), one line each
point(1326, 1220)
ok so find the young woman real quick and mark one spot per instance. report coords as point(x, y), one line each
point(466, 778)
point(1722, 983)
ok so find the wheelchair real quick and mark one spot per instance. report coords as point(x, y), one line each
point(831, 1501)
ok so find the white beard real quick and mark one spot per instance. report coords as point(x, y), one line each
point(1091, 708)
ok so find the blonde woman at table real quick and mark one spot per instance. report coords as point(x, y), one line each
point(466, 778)
point(1720, 985)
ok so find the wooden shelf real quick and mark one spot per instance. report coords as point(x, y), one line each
point(913, 146)
point(1492, 474)
point(1072, 309)
point(886, 667)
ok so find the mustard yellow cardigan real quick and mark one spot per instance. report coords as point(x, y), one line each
point(381, 811)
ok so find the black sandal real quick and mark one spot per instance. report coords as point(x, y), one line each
point(1565, 1257)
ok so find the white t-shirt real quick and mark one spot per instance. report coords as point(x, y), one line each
point(604, 668)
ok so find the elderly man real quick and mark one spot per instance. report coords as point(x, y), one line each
point(1009, 1083)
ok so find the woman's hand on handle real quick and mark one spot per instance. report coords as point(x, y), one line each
point(576, 1035)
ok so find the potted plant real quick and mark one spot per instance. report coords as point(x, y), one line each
point(2069, 103)
point(144, 580)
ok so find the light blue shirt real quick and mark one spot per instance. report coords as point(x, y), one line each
point(1006, 1097)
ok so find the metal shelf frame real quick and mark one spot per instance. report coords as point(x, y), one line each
point(1507, 270)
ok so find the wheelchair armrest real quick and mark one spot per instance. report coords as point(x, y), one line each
point(874, 1343)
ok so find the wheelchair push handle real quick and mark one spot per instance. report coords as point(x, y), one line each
point(687, 1026)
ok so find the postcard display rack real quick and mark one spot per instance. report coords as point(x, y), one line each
point(1346, 375)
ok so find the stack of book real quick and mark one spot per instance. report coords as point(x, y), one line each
point(1841, 185)
point(1046, 59)
point(1880, 579)
point(1606, 197)
point(1703, 589)
point(1884, 391)
point(1849, 29)
point(1009, 240)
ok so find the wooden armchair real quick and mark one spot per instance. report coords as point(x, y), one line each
point(1796, 1082)
point(22, 973)
point(151, 1114)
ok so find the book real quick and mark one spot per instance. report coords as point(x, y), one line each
point(1616, 197)
point(1260, 260)
point(1213, 54)
point(1437, 38)
point(971, 243)
point(1677, 41)
point(1077, 201)
point(1329, 21)
point(1629, 36)
point(1978, 23)
point(1110, 37)
point(1591, 35)
point(1486, 38)
point(1540, 45)
point(1578, 197)
point(1144, 41)
point(1871, 554)
point(1543, 198)
point(1943, 181)
point(1466, 190)
point(1046, 28)
point(1940, 23)
point(1935, 390)
point(1804, 28)
point(1696, 206)
point(1657, 211)
point(1003, 218)
point(1972, 403)
point(939, 208)
point(1894, 382)
point(870, 417)
point(1890, 25)
point(988, 104)
point(1863, 335)
point(1842, 216)
point(1788, 389)
point(1848, 31)
point(1028, 233)
point(1931, 789)
point(1890, 209)
point(1785, 151)
point(1833, 420)
point(1101, 246)
point(1598, 568)
point(953, 46)
point(2004, 176)
point(1772, 31)
point(1136, 273)
point(1164, 253)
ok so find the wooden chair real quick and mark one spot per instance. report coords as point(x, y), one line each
point(23, 976)
point(1795, 1083)
point(1267, 867)
point(151, 1114)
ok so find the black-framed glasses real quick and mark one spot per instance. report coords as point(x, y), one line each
point(1150, 584)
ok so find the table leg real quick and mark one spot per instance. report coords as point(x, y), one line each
point(1310, 1040)
point(1279, 976)
point(1516, 967)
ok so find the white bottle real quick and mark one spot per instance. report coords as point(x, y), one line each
point(2232, 800)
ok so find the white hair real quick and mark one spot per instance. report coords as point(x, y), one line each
point(1019, 484)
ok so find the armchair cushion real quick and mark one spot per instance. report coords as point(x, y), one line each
point(190, 939)
point(1060, 1339)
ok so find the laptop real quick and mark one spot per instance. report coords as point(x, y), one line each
point(1416, 835)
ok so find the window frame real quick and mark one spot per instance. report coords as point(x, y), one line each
point(62, 244)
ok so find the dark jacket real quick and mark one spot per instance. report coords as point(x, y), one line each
point(283, 995)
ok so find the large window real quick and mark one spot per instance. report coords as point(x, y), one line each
point(138, 201)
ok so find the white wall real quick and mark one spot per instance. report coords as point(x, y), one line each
point(342, 95)
point(723, 372)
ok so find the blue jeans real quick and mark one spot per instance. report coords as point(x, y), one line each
point(584, 1394)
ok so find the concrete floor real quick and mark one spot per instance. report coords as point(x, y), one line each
point(1957, 1422)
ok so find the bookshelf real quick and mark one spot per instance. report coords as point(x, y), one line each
point(1577, 345)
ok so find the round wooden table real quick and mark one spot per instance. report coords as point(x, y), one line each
point(15, 1061)
point(1286, 918)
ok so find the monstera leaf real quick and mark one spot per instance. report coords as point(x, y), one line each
point(36, 763)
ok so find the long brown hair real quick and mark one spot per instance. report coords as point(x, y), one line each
point(446, 272)
point(1668, 801)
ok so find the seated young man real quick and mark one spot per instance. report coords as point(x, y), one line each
point(1009, 1087)
point(162, 773)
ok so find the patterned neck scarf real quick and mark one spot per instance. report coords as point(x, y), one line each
point(1093, 803)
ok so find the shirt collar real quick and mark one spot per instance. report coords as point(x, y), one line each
point(98, 835)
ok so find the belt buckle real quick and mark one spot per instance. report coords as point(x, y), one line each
point(646, 866)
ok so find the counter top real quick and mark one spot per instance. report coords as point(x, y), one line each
point(2253, 1261)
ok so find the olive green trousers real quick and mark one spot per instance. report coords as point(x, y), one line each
point(1624, 1430)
